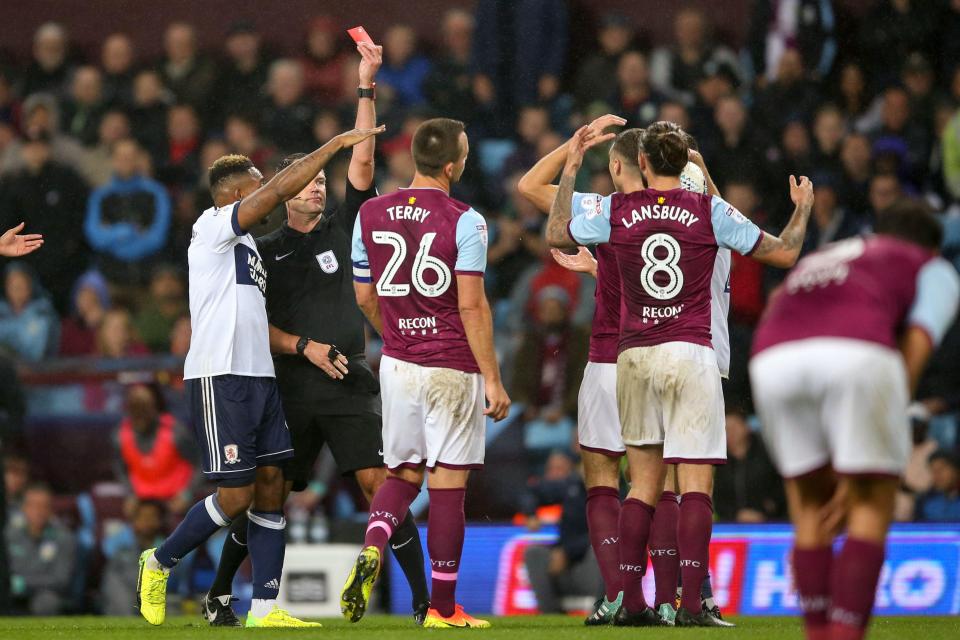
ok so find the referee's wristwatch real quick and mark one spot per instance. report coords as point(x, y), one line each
point(368, 92)
point(302, 344)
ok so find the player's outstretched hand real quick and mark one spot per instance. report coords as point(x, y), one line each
point(582, 261)
point(371, 59)
point(13, 245)
point(318, 354)
point(801, 192)
point(608, 120)
point(498, 402)
point(355, 136)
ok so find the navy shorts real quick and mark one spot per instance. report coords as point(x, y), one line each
point(239, 424)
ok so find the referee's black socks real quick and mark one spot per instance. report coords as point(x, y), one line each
point(233, 554)
point(406, 548)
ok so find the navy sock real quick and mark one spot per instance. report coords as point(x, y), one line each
point(201, 522)
point(266, 546)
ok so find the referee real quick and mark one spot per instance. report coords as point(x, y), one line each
point(328, 391)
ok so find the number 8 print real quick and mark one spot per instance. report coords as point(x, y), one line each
point(654, 265)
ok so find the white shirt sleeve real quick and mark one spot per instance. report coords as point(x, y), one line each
point(590, 222)
point(732, 229)
point(218, 228)
point(358, 254)
point(935, 303)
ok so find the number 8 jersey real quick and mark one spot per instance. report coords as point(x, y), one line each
point(666, 245)
point(410, 245)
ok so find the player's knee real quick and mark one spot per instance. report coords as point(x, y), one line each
point(370, 480)
point(234, 500)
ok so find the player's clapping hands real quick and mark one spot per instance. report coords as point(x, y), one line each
point(582, 261)
point(13, 245)
point(348, 139)
point(371, 59)
point(801, 192)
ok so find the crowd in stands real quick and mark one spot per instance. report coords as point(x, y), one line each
point(105, 155)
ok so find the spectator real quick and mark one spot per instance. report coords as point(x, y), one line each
point(885, 189)
point(117, 57)
point(149, 114)
point(828, 133)
point(116, 337)
point(548, 369)
point(180, 167)
point(324, 65)
point(736, 151)
point(78, 331)
point(114, 127)
point(676, 70)
point(917, 476)
point(893, 30)
point(852, 95)
point(122, 551)
point(28, 323)
point(448, 87)
point(241, 80)
point(568, 567)
point(155, 451)
point(128, 218)
point(533, 123)
point(167, 302)
point(519, 51)
point(42, 556)
point(942, 502)
point(41, 117)
point(919, 81)
point(49, 197)
point(807, 25)
point(16, 479)
point(85, 105)
point(857, 171)
point(287, 117)
point(746, 276)
point(831, 222)
point(597, 74)
point(404, 70)
point(673, 111)
point(790, 97)
point(243, 137)
point(900, 143)
point(180, 336)
point(793, 158)
point(634, 98)
point(747, 488)
point(50, 68)
point(185, 72)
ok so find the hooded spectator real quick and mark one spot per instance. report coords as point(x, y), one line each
point(78, 331)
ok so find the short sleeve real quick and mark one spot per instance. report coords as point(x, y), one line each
point(219, 228)
point(935, 304)
point(471, 244)
point(732, 229)
point(358, 254)
point(590, 223)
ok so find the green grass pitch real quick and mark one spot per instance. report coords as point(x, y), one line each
point(394, 627)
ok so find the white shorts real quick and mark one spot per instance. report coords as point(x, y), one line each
point(431, 415)
point(670, 394)
point(598, 422)
point(833, 401)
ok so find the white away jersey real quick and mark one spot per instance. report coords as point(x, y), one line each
point(228, 314)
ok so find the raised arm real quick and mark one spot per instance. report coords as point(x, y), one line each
point(783, 250)
point(697, 159)
point(360, 171)
point(294, 178)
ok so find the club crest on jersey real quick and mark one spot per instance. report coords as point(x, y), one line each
point(735, 215)
point(231, 454)
point(328, 262)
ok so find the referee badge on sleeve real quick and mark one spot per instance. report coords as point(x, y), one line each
point(328, 262)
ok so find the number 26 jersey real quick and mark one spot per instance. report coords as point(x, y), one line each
point(410, 245)
point(666, 245)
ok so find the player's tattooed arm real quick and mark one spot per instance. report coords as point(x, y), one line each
point(783, 250)
point(293, 179)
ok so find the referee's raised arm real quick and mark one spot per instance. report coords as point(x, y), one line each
point(293, 179)
point(360, 171)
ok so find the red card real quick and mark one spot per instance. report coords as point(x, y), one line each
point(359, 34)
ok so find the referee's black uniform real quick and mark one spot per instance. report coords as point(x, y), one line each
point(310, 294)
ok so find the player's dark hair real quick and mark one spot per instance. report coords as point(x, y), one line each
point(627, 146)
point(911, 220)
point(665, 145)
point(226, 167)
point(289, 160)
point(436, 143)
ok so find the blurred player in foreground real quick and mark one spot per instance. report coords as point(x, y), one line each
point(835, 360)
point(418, 263)
point(669, 397)
point(230, 381)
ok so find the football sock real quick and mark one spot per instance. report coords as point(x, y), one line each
point(706, 591)
point(201, 521)
point(811, 574)
point(663, 548)
point(387, 510)
point(853, 587)
point(267, 547)
point(408, 551)
point(694, 528)
point(603, 522)
point(231, 557)
point(636, 517)
point(260, 607)
point(445, 528)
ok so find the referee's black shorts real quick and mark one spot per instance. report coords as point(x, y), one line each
point(355, 441)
